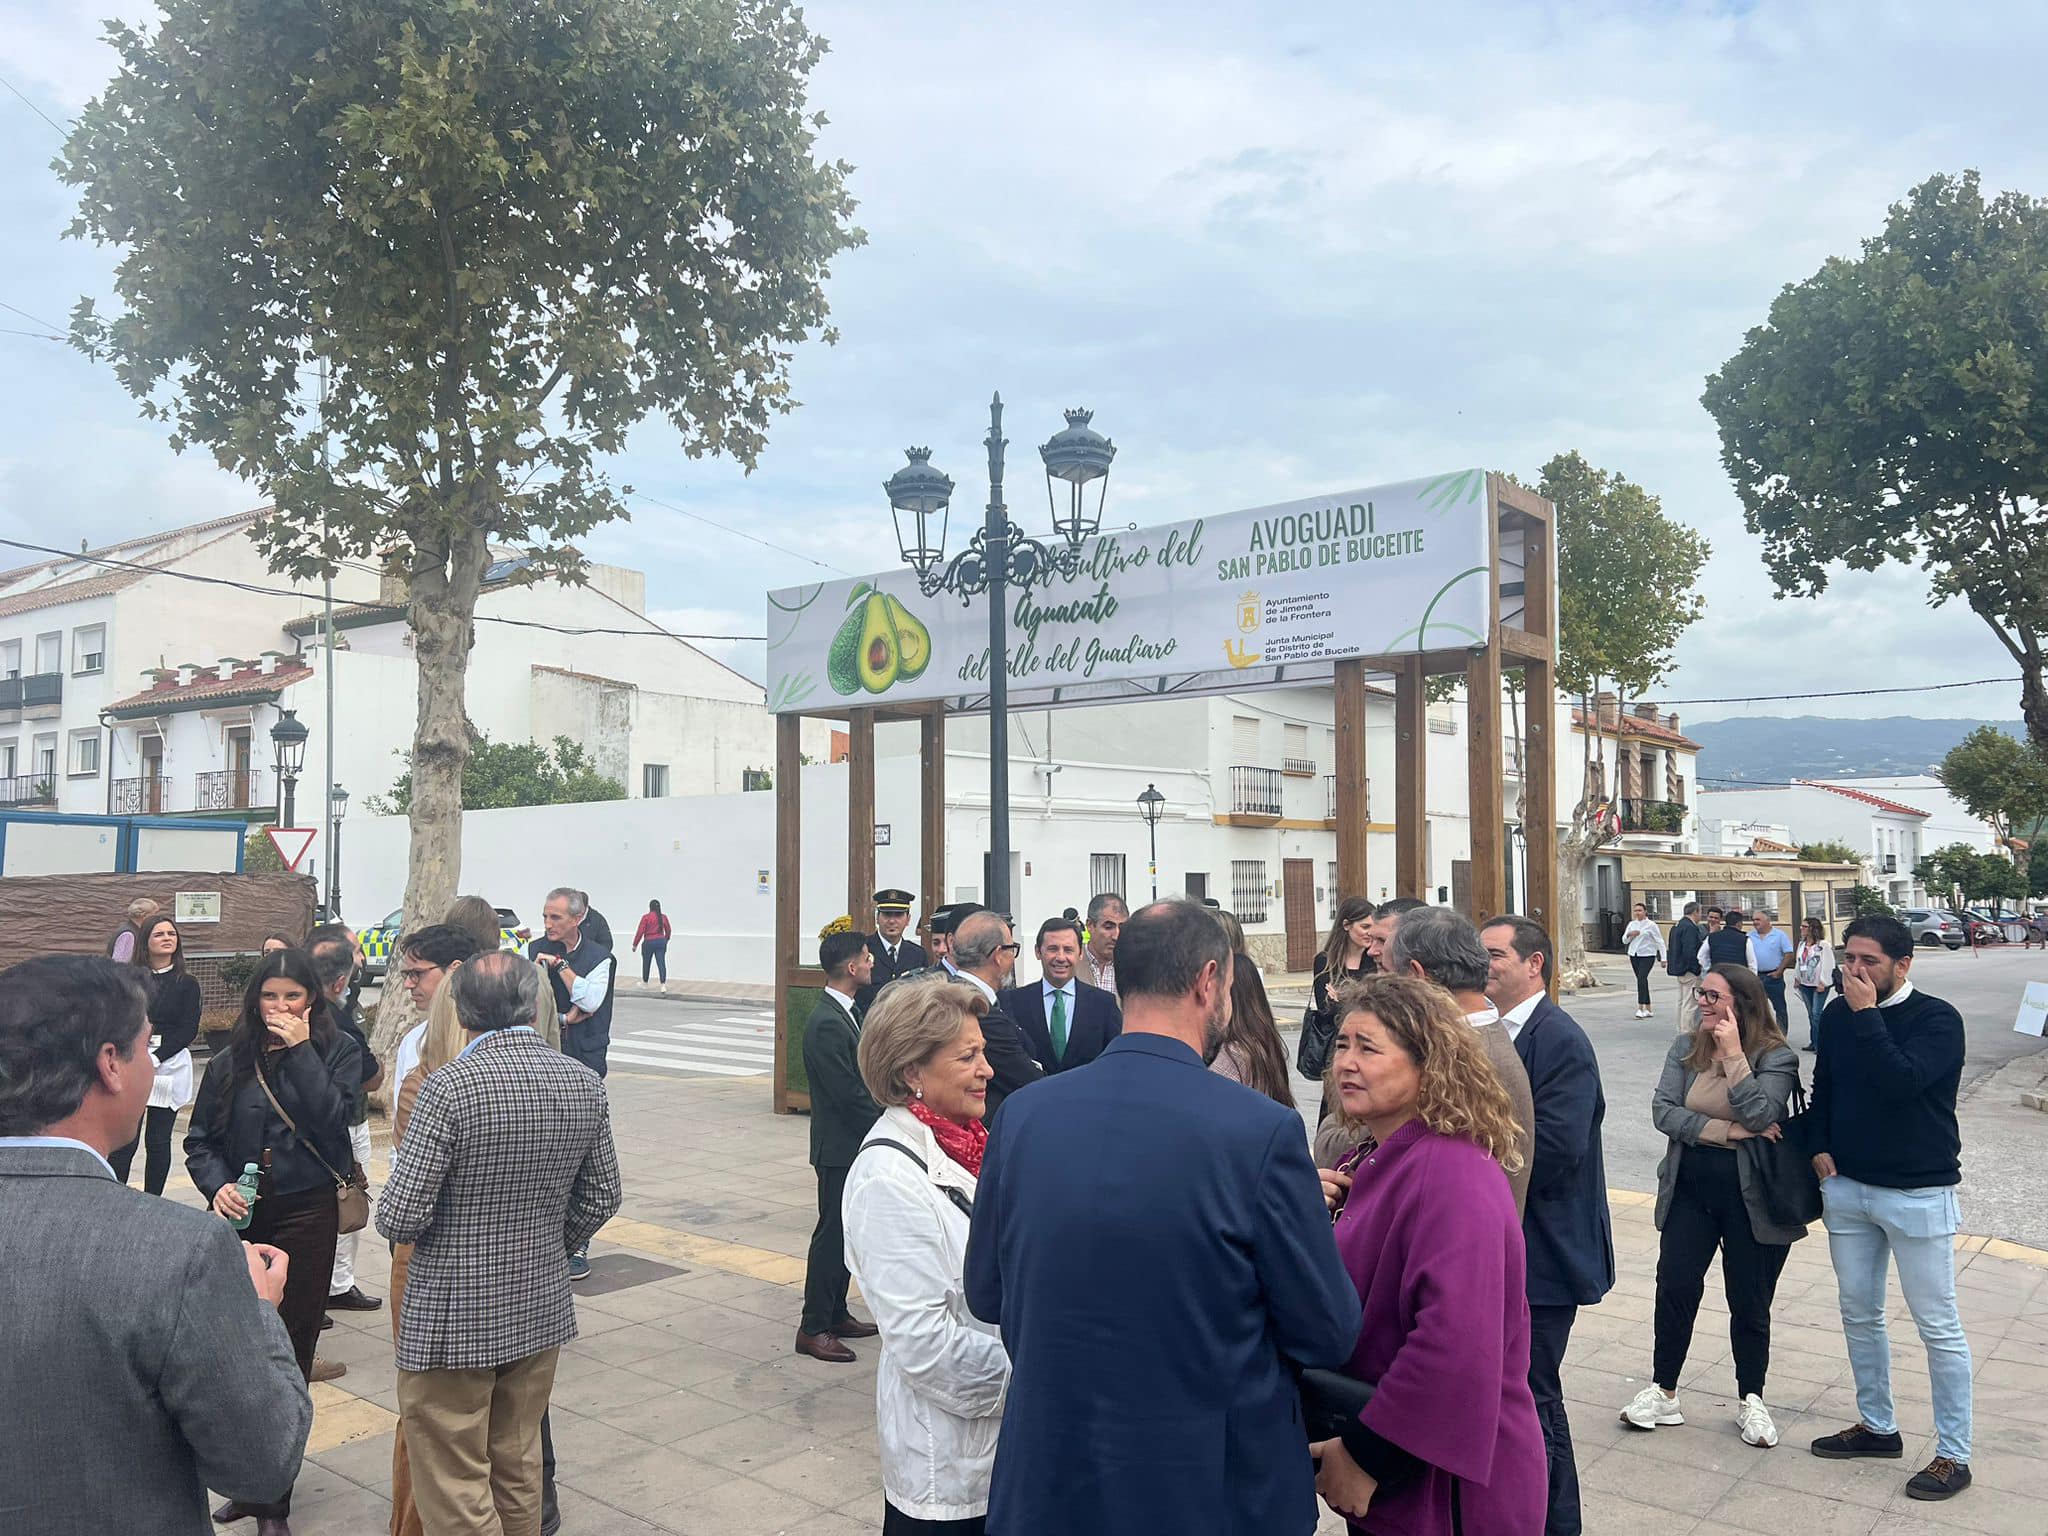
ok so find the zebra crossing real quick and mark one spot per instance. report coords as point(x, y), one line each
point(715, 1045)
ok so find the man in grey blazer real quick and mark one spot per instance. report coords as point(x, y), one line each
point(508, 1168)
point(142, 1365)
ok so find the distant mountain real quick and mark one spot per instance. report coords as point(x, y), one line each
point(1814, 747)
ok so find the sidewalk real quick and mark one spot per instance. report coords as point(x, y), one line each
point(682, 1409)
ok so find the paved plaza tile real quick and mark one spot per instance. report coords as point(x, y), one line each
point(681, 1409)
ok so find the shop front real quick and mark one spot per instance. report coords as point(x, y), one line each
point(1791, 890)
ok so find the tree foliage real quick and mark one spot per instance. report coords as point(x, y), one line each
point(1894, 407)
point(1962, 870)
point(1627, 578)
point(1829, 852)
point(504, 773)
point(2001, 781)
point(500, 233)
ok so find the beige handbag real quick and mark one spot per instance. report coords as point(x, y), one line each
point(351, 1192)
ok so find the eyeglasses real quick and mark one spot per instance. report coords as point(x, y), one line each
point(409, 975)
point(1011, 949)
point(1715, 997)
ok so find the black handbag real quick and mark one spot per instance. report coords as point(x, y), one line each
point(1783, 1173)
point(1329, 1401)
point(1318, 1033)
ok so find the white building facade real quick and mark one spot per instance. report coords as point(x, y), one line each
point(1888, 834)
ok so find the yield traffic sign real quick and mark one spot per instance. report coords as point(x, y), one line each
point(291, 843)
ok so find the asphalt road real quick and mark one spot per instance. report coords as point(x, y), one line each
point(2005, 1147)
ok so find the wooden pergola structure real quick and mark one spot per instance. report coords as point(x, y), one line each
point(1520, 633)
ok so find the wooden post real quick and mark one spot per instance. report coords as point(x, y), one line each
point(931, 809)
point(1539, 792)
point(1411, 780)
point(860, 818)
point(789, 762)
point(1484, 772)
point(1354, 800)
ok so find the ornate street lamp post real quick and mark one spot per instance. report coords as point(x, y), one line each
point(999, 557)
point(1150, 804)
point(288, 743)
point(337, 807)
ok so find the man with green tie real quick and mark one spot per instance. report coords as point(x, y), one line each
point(1065, 1021)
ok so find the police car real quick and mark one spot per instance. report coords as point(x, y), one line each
point(377, 942)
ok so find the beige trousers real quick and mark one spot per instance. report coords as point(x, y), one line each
point(473, 1439)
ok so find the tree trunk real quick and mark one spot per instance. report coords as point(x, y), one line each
point(441, 612)
point(1586, 836)
point(2034, 702)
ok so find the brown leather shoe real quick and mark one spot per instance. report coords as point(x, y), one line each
point(823, 1346)
point(327, 1370)
point(851, 1328)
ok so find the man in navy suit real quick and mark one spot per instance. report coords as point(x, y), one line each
point(1566, 1227)
point(1153, 1242)
point(1065, 1021)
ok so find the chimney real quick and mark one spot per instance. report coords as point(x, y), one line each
point(186, 673)
point(1607, 710)
point(1671, 723)
point(225, 668)
point(393, 584)
point(1647, 712)
point(266, 665)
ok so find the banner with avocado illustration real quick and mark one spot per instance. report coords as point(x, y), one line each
point(1246, 600)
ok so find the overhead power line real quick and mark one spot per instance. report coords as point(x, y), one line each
point(739, 533)
point(1841, 693)
point(39, 112)
point(39, 320)
point(653, 629)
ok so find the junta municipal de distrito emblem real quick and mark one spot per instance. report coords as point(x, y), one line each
point(1248, 612)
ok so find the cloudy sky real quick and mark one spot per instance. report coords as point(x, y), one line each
point(1279, 249)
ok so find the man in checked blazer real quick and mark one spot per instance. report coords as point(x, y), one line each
point(508, 1167)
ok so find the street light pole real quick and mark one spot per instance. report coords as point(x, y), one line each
point(1150, 804)
point(337, 807)
point(995, 534)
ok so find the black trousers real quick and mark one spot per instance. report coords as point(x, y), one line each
point(305, 1225)
point(826, 1280)
point(1706, 1214)
point(155, 1138)
point(897, 1523)
point(1550, 1331)
point(1774, 989)
point(1641, 965)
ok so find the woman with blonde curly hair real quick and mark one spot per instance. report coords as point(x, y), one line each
point(1427, 1230)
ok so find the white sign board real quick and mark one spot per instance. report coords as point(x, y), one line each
point(2033, 1014)
point(1246, 600)
point(196, 906)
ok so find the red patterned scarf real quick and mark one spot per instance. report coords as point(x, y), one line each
point(962, 1143)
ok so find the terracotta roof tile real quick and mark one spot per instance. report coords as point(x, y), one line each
point(1894, 807)
point(69, 592)
point(1648, 730)
point(210, 690)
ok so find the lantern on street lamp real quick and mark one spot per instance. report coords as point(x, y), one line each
point(1077, 457)
point(337, 807)
point(1150, 804)
point(288, 746)
point(917, 494)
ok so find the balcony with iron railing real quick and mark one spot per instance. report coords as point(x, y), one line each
point(228, 789)
point(40, 694)
point(147, 796)
point(1330, 799)
point(1298, 767)
point(1658, 818)
point(1255, 792)
point(26, 791)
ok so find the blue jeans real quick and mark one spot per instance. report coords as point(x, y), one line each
point(1816, 1000)
point(1774, 989)
point(1867, 1225)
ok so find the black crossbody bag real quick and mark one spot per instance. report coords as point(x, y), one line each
point(965, 1205)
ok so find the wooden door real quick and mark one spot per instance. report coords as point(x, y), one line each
point(1298, 909)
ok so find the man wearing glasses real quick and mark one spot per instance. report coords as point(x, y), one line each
point(984, 955)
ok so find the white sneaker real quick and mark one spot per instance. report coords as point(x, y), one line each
point(1650, 1408)
point(1755, 1419)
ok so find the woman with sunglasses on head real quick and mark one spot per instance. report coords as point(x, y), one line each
point(1728, 1082)
point(174, 1008)
point(280, 1095)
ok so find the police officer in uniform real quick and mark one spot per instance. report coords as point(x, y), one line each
point(893, 953)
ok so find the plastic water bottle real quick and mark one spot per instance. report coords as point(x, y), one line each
point(245, 1186)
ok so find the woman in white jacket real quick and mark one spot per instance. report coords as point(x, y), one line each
point(939, 1385)
point(1644, 941)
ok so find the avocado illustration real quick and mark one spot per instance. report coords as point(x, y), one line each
point(840, 669)
point(879, 656)
point(913, 643)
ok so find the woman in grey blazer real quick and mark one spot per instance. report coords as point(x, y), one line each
point(1724, 1090)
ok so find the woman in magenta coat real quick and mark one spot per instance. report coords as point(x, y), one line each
point(1450, 1441)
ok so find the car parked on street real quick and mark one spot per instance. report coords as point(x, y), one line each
point(1934, 925)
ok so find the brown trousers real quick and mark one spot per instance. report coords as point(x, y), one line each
point(473, 1440)
point(405, 1515)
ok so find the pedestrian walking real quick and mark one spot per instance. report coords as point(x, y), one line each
point(1771, 950)
point(1152, 1242)
point(507, 1168)
point(280, 1095)
point(940, 1383)
point(126, 943)
point(1644, 941)
point(894, 955)
point(1429, 1236)
point(1683, 964)
point(1724, 1091)
point(842, 1111)
point(1813, 972)
point(148, 1361)
point(175, 1005)
point(1568, 1231)
point(651, 939)
point(1882, 1132)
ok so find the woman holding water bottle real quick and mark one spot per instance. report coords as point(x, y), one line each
point(280, 1095)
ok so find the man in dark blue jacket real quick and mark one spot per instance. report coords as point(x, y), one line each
point(1153, 1242)
point(1566, 1225)
point(1066, 1022)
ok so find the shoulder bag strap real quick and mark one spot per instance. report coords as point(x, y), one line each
point(292, 1125)
point(960, 1200)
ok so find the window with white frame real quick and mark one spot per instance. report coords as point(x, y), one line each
point(89, 649)
point(653, 781)
point(10, 754)
point(1244, 740)
point(85, 753)
point(50, 652)
point(45, 757)
point(10, 659)
point(1294, 749)
point(1249, 897)
point(1106, 873)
